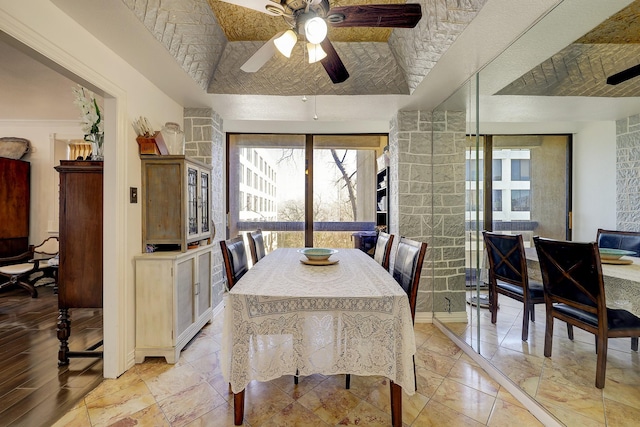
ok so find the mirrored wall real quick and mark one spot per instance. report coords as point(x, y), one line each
point(542, 129)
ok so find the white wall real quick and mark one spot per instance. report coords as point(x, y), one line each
point(43, 27)
point(594, 179)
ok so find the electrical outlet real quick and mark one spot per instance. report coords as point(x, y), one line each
point(133, 195)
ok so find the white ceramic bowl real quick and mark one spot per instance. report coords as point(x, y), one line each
point(607, 253)
point(317, 254)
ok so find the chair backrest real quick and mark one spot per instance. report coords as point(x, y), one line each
point(382, 254)
point(571, 274)
point(614, 239)
point(507, 261)
point(407, 268)
point(47, 249)
point(234, 255)
point(256, 245)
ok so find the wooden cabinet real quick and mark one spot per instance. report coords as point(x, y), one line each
point(173, 300)
point(14, 207)
point(80, 268)
point(382, 199)
point(176, 202)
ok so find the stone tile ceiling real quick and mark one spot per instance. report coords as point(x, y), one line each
point(582, 68)
point(211, 40)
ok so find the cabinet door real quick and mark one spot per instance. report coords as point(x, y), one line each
point(185, 295)
point(192, 201)
point(204, 283)
point(205, 203)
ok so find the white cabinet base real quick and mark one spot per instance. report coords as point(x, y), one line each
point(172, 353)
point(173, 301)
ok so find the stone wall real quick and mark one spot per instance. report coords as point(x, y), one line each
point(628, 173)
point(204, 141)
point(427, 188)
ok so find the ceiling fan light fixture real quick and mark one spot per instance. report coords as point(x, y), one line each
point(315, 29)
point(316, 53)
point(286, 42)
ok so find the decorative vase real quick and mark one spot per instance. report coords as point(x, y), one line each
point(97, 145)
point(174, 138)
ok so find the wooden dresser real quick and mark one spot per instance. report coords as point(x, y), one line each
point(80, 269)
point(14, 207)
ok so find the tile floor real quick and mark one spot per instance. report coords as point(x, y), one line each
point(563, 384)
point(452, 391)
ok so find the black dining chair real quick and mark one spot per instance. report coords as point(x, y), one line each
point(574, 293)
point(615, 239)
point(256, 245)
point(508, 276)
point(407, 269)
point(234, 255)
point(382, 253)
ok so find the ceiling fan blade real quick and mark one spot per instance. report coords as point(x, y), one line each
point(265, 6)
point(376, 15)
point(624, 75)
point(333, 64)
point(261, 56)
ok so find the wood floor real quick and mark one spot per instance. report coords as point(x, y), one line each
point(34, 391)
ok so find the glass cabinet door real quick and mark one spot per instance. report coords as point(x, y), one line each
point(204, 202)
point(192, 201)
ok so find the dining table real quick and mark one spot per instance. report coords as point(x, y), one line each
point(344, 316)
point(621, 280)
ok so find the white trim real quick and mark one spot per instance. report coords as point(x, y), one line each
point(537, 410)
point(443, 316)
point(115, 304)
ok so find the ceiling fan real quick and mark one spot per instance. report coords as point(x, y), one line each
point(310, 18)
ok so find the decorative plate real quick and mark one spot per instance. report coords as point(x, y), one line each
point(319, 262)
point(608, 254)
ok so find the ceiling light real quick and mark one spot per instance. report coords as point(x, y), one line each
point(315, 29)
point(286, 42)
point(316, 53)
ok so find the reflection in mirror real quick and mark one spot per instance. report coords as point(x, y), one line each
point(557, 170)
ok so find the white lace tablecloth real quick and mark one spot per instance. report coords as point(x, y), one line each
point(351, 317)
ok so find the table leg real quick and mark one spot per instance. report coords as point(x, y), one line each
point(238, 408)
point(396, 404)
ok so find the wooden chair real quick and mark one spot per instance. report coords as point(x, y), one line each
point(256, 245)
point(234, 255)
point(382, 253)
point(574, 293)
point(614, 239)
point(407, 269)
point(17, 271)
point(508, 276)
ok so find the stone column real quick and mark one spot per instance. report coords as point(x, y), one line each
point(628, 173)
point(427, 197)
point(205, 141)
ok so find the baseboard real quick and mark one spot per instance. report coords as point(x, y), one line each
point(218, 309)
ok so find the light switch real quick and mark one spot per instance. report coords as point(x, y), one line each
point(133, 195)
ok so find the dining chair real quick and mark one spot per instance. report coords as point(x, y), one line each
point(382, 252)
point(615, 239)
point(256, 245)
point(407, 269)
point(508, 276)
point(234, 255)
point(17, 271)
point(574, 293)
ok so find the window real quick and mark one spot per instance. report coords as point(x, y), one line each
point(497, 200)
point(520, 170)
point(520, 200)
point(497, 170)
point(289, 170)
point(471, 170)
point(472, 203)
